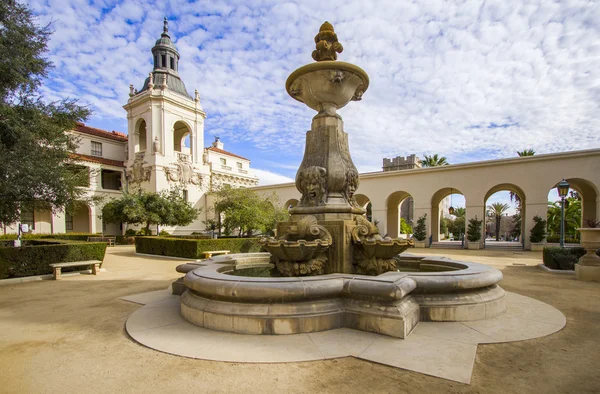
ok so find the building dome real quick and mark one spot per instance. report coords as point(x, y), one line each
point(166, 65)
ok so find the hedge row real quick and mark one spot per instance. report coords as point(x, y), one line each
point(35, 259)
point(556, 239)
point(558, 258)
point(67, 236)
point(193, 248)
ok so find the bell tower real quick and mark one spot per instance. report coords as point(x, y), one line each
point(166, 128)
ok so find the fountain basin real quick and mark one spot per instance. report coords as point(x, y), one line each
point(392, 303)
point(327, 85)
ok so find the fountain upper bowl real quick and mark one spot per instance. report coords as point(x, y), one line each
point(327, 85)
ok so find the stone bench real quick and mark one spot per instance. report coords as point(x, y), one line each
point(109, 240)
point(57, 267)
point(210, 253)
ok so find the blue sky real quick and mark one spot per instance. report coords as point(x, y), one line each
point(468, 80)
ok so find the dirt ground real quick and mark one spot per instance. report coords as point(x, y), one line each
point(68, 336)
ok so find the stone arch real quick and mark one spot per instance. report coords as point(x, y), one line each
point(436, 199)
point(141, 135)
point(78, 218)
point(291, 203)
point(181, 131)
point(521, 198)
point(590, 198)
point(365, 202)
point(394, 206)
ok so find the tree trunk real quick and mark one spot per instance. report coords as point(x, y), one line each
point(147, 228)
point(498, 218)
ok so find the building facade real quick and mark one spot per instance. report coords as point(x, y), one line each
point(163, 149)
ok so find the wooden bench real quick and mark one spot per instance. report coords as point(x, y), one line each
point(57, 267)
point(109, 240)
point(209, 254)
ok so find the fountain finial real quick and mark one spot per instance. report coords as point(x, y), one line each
point(327, 44)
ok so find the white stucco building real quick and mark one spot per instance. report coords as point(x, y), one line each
point(163, 149)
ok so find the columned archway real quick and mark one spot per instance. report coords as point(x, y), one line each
point(395, 203)
point(291, 203)
point(516, 200)
point(78, 219)
point(181, 139)
point(440, 208)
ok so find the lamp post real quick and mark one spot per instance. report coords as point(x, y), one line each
point(563, 189)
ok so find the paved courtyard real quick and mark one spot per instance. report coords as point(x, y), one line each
point(68, 336)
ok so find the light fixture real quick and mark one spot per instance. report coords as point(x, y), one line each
point(451, 209)
point(563, 188)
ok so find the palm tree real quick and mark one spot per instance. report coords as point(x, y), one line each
point(526, 152)
point(496, 210)
point(434, 161)
point(459, 212)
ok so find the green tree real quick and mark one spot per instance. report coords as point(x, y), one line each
point(405, 228)
point(167, 208)
point(526, 152)
point(516, 229)
point(538, 231)
point(495, 211)
point(434, 161)
point(420, 230)
point(33, 144)
point(474, 230)
point(572, 217)
point(444, 225)
point(459, 212)
point(457, 226)
point(246, 210)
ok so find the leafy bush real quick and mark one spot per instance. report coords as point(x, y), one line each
point(193, 248)
point(67, 236)
point(34, 259)
point(405, 228)
point(555, 238)
point(130, 232)
point(420, 230)
point(164, 233)
point(558, 258)
point(474, 230)
point(538, 231)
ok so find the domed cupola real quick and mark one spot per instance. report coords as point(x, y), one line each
point(166, 65)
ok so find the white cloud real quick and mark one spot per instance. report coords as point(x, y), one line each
point(270, 178)
point(469, 81)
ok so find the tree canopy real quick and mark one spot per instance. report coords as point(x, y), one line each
point(526, 152)
point(167, 208)
point(33, 144)
point(245, 210)
point(434, 161)
point(495, 211)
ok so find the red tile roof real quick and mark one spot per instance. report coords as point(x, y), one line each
point(224, 152)
point(99, 160)
point(113, 135)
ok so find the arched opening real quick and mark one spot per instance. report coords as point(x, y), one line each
point(448, 218)
point(400, 206)
point(503, 220)
point(181, 133)
point(365, 202)
point(291, 203)
point(140, 143)
point(77, 218)
point(580, 207)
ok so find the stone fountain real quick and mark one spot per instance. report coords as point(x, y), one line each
point(329, 267)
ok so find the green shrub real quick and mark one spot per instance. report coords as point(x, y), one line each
point(193, 248)
point(558, 258)
point(164, 233)
point(555, 238)
point(130, 232)
point(67, 236)
point(474, 230)
point(420, 230)
point(538, 231)
point(34, 259)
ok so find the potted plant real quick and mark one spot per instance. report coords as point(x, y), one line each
point(538, 234)
point(420, 232)
point(474, 233)
point(589, 264)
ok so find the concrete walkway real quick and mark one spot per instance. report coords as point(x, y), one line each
point(69, 336)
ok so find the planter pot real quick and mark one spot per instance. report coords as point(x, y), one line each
point(538, 246)
point(590, 240)
point(473, 245)
point(419, 244)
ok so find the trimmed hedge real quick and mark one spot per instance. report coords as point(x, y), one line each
point(67, 236)
point(193, 248)
point(34, 259)
point(554, 239)
point(558, 258)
